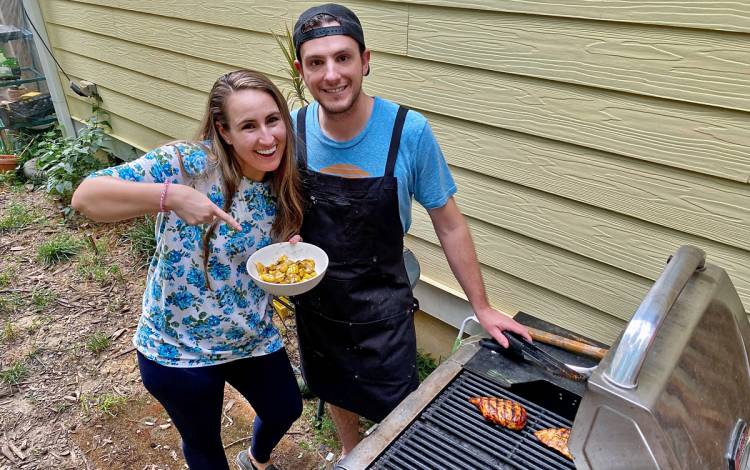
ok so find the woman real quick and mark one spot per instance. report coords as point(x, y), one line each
point(204, 322)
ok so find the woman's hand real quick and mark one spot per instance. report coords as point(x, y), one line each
point(295, 239)
point(195, 208)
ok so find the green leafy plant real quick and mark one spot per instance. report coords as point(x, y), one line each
point(59, 248)
point(32, 143)
point(142, 239)
point(98, 342)
point(67, 161)
point(9, 178)
point(15, 373)
point(425, 365)
point(286, 44)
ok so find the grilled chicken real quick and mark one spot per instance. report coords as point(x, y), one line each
point(506, 413)
point(556, 438)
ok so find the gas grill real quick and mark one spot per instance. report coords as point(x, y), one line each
point(672, 393)
point(451, 419)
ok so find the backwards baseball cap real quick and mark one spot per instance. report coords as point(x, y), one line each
point(349, 25)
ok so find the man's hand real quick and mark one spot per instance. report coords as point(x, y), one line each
point(495, 322)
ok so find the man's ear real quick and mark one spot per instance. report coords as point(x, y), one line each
point(366, 62)
point(298, 66)
point(223, 133)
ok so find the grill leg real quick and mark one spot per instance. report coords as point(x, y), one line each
point(319, 414)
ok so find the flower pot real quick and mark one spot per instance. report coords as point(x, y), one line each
point(8, 163)
point(15, 92)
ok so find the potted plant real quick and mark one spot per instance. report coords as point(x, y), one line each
point(8, 159)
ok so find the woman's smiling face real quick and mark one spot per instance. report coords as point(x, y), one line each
point(255, 132)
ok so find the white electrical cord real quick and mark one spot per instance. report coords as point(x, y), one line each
point(459, 338)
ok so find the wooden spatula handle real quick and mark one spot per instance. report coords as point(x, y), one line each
point(567, 344)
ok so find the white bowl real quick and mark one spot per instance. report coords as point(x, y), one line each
point(271, 253)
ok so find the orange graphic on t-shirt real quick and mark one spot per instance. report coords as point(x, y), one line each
point(345, 170)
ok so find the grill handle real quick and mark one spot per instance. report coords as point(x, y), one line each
point(641, 330)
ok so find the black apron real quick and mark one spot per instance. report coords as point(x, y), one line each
point(356, 328)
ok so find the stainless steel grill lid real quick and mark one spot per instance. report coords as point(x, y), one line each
point(673, 388)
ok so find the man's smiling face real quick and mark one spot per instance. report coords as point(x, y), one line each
point(332, 68)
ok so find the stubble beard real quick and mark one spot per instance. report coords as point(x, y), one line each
point(338, 111)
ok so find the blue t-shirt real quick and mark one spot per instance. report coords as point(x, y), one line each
point(184, 323)
point(421, 169)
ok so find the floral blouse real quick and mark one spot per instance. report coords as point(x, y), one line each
point(184, 323)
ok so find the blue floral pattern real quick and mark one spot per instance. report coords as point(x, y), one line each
point(184, 323)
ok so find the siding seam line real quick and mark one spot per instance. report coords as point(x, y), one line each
point(408, 27)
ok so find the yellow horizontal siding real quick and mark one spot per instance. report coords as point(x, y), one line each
point(511, 294)
point(577, 180)
point(231, 46)
point(628, 244)
point(164, 94)
point(706, 140)
point(174, 67)
point(157, 119)
point(706, 14)
point(706, 206)
point(708, 67)
point(695, 138)
point(594, 284)
point(130, 132)
point(384, 23)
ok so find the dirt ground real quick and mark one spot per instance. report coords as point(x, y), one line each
point(70, 394)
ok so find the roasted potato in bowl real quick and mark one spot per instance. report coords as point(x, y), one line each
point(284, 269)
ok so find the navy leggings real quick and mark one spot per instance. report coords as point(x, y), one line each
point(193, 398)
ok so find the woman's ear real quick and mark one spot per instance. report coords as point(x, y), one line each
point(223, 133)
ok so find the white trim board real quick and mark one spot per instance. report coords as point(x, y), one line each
point(445, 304)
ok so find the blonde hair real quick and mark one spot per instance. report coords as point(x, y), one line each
point(285, 180)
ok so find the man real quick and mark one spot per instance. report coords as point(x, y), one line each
point(365, 159)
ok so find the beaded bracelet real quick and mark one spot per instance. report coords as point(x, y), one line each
point(164, 196)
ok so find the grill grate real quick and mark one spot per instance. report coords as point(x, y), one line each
point(451, 434)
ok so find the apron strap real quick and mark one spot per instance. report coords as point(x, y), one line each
point(398, 126)
point(302, 137)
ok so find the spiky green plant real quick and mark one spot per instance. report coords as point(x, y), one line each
point(17, 216)
point(59, 248)
point(142, 239)
point(98, 342)
point(108, 403)
point(286, 44)
point(10, 303)
point(14, 374)
point(9, 333)
point(6, 276)
point(41, 297)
